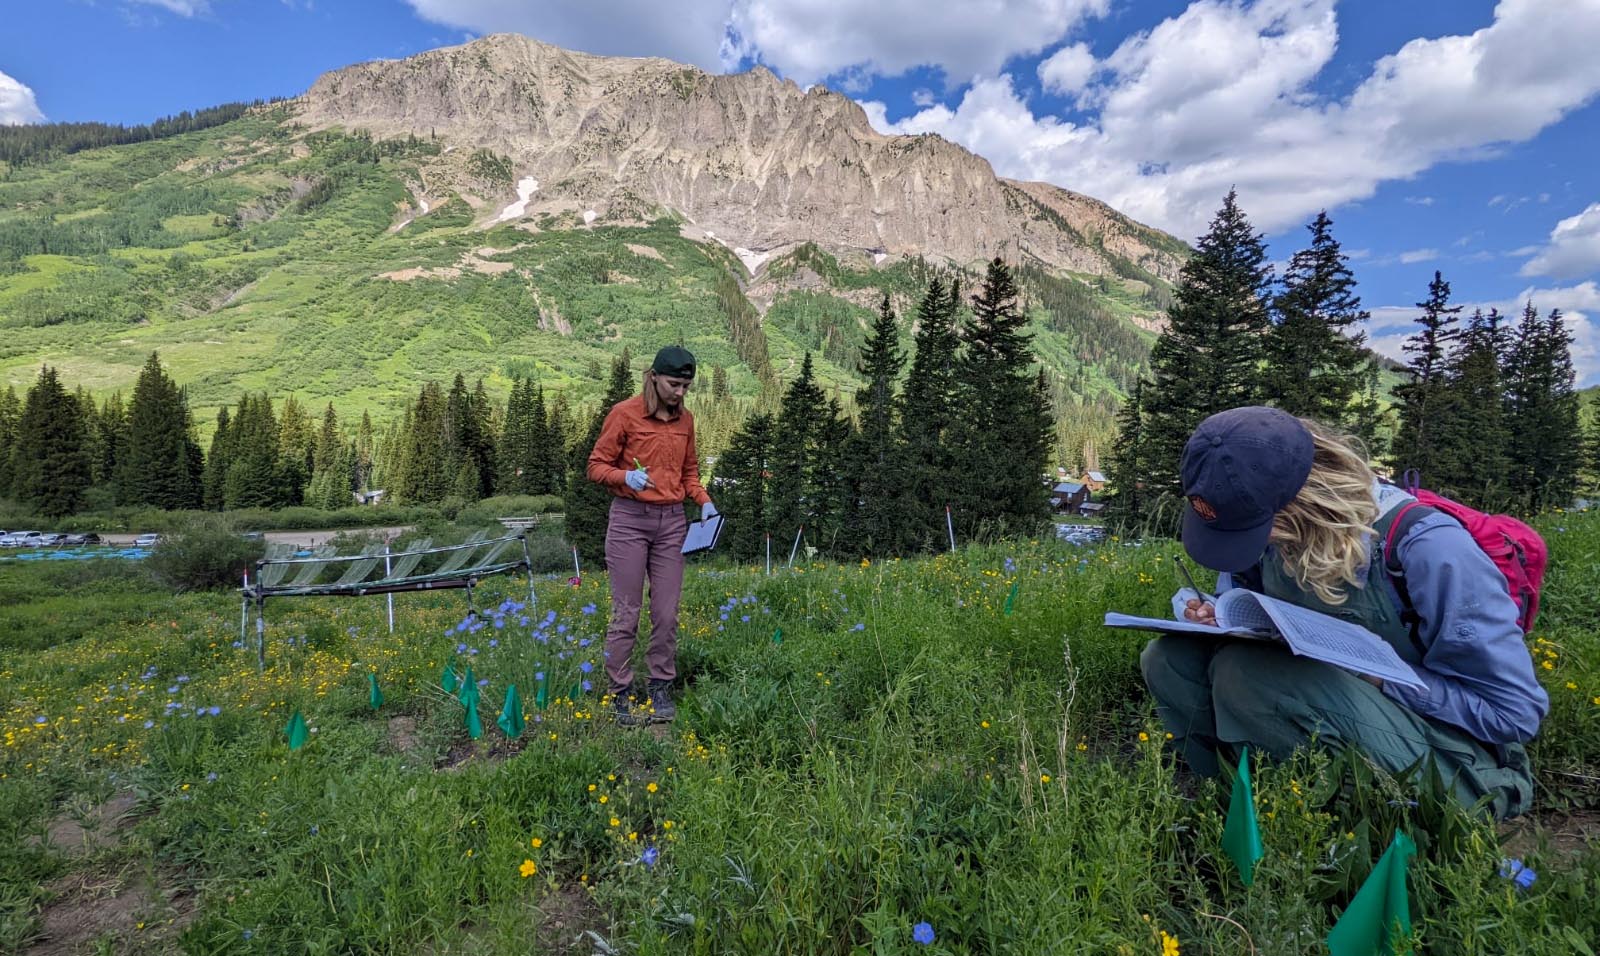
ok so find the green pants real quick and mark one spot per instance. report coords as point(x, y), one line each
point(1217, 696)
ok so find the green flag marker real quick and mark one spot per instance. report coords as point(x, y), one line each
point(777, 636)
point(297, 731)
point(576, 692)
point(511, 714)
point(1012, 596)
point(374, 695)
point(1381, 911)
point(469, 688)
point(447, 679)
point(1241, 837)
point(541, 697)
point(474, 725)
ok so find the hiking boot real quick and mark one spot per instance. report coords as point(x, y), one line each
point(628, 715)
point(662, 709)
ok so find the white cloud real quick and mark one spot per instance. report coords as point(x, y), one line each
point(1068, 70)
point(1413, 256)
point(1420, 200)
point(17, 104)
point(1221, 95)
point(183, 8)
point(923, 97)
point(1389, 326)
point(690, 31)
point(807, 40)
point(1574, 248)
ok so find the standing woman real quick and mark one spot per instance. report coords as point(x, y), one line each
point(1285, 507)
point(645, 456)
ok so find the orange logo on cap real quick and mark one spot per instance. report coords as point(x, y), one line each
point(1202, 508)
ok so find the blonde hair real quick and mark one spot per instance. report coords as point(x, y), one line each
point(1320, 534)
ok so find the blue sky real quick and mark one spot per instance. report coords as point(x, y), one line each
point(1440, 134)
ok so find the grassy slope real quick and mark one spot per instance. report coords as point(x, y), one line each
point(908, 752)
point(293, 302)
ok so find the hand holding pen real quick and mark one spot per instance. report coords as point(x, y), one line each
point(1200, 609)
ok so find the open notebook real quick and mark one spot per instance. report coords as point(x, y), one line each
point(703, 535)
point(1244, 613)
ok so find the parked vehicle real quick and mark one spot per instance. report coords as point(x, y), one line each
point(50, 539)
point(79, 540)
point(147, 540)
point(28, 539)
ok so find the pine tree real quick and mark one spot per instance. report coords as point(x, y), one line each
point(1542, 412)
point(94, 439)
point(1426, 402)
point(588, 504)
point(1208, 358)
point(740, 486)
point(297, 443)
point(1003, 435)
point(560, 432)
point(156, 468)
point(873, 484)
point(10, 415)
point(112, 424)
point(365, 454)
point(517, 467)
point(329, 487)
point(827, 490)
point(426, 466)
point(794, 455)
point(51, 468)
point(928, 410)
point(1314, 363)
point(213, 481)
point(1369, 416)
point(485, 425)
point(255, 477)
point(1473, 464)
point(1125, 500)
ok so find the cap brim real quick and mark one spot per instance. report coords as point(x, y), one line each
point(1230, 551)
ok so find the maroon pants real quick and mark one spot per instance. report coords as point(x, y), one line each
point(644, 540)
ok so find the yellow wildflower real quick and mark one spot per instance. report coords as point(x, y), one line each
point(651, 786)
point(528, 868)
point(1169, 944)
point(536, 843)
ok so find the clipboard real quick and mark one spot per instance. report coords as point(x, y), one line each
point(703, 535)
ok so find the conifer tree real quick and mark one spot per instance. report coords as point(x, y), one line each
point(10, 415)
point(827, 489)
point(329, 487)
point(112, 424)
point(297, 443)
point(1314, 363)
point(50, 467)
point(485, 426)
point(588, 504)
point(518, 469)
point(365, 454)
point(1542, 412)
point(93, 440)
point(1473, 463)
point(870, 463)
point(928, 411)
point(547, 456)
point(1369, 415)
point(1125, 505)
point(157, 465)
point(1003, 435)
point(1426, 401)
point(1209, 357)
point(740, 486)
point(213, 480)
point(794, 456)
point(255, 475)
point(560, 432)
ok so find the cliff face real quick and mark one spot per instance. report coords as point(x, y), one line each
point(753, 161)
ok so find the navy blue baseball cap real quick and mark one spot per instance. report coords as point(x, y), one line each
point(1239, 469)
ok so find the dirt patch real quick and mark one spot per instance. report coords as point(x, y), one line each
point(567, 915)
point(649, 252)
point(123, 907)
point(402, 736)
point(411, 275)
point(1568, 834)
point(483, 750)
point(83, 836)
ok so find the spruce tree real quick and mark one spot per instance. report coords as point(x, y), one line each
point(1126, 476)
point(297, 443)
point(254, 477)
point(794, 455)
point(427, 469)
point(1427, 405)
point(329, 487)
point(10, 415)
point(1370, 414)
point(560, 436)
point(740, 487)
point(928, 411)
point(112, 424)
point(588, 504)
point(94, 439)
point(364, 454)
point(1542, 412)
point(1003, 435)
point(1473, 463)
point(213, 480)
point(51, 468)
point(870, 463)
point(1314, 363)
point(156, 467)
point(827, 489)
point(1208, 359)
point(516, 457)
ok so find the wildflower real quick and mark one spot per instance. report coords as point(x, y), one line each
point(615, 822)
point(860, 626)
point(1044, 778)
point(528, 868)
point(603, 798)
point(591, 788)
point(666, 824)
point(41, 719)
point(922, 933)
point(1143, 736)
point(649, 857)
point(1169, 944)
point(984, 724)
point(587, 667)
point(1516, 872)
point(588, 609)
point(493, 644)
point(651, 786)
point(536, 843)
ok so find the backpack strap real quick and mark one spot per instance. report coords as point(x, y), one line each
point(1405, 518)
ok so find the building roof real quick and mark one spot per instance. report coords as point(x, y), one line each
point(1068, 488)
point(1088, 506)
point(1096, 476)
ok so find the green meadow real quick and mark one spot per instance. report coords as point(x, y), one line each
point(953, 741)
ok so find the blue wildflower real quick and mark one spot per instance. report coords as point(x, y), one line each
point(499, 623)
point(211, 777)
point(494, 644)
point(587, 686)
point(745, 618)
point(460, 648)
point(922, 933)
point(1518, 873)
point(860, 626)
point(587, 667)
point(41, 719)
point(585, 642)
point(539, 676)
point(148, 724)
point(483, 682)
point(588, 609)
point(649, 857)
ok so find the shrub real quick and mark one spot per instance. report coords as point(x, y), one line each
point(202, 551)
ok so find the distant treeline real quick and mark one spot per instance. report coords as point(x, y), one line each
point(42, 142)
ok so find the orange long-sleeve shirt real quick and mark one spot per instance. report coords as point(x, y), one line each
point(665, 448)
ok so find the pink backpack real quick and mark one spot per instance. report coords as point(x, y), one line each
point(1516, 549)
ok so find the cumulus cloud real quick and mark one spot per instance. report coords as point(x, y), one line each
point(1413, 256)
point(690, 31)
point(1573, 250)
point(1068, 70)
point(1221, 96)
point(807, 40)
point(1389, 326)
point(17, 104)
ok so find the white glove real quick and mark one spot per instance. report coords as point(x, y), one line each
point(1180, 602)
point(638, 479)
point(708, 511)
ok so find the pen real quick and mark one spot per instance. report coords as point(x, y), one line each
point(1183, 569)
point(637, 465)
